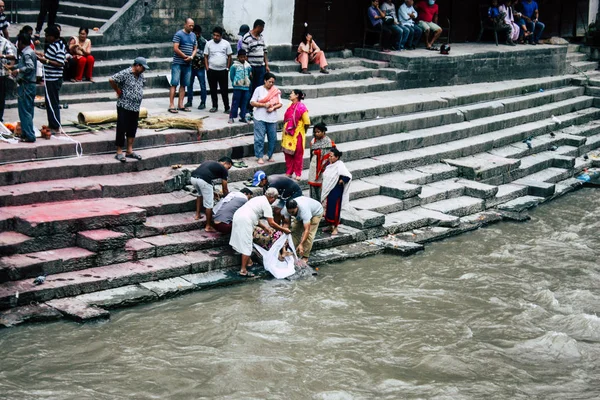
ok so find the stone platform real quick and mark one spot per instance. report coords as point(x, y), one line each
point(427, 163)
point(473, 62)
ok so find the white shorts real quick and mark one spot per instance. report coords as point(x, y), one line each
point(206, 191)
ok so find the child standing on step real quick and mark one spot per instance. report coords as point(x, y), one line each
point(240, 74)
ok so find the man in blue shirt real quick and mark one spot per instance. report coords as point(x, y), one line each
point(530, 13)
point(185, 46)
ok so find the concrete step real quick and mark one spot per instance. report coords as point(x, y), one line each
point(64, 217)
point(463, 147)
point(335, 63)
point(30, 17)
point(170, 223)
point(160, 180)
point(575, 57)
point(584, 66)
point(100, 11)
point(35, 4)
point(107, 277)
point(131, 51)
point(573, 48)
point(165, 179)
point(346, 109)
point(188, 154)
point(31, 265)
point(156, 79)
point(345, 74)
point(342, 88)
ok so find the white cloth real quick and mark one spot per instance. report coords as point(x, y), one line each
point(279, 269)
point(331, 177)
point(403, 16)
point(260, 113)
point(227, 199)
point(244, 221)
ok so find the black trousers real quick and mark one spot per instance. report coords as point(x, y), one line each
point(2, 96)
point(127, 125)
point(53, 103)
point(49, 7)
point(222, 79)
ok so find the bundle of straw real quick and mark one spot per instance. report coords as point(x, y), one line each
point(172, 122)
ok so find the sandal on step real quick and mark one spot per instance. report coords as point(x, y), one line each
point(248, 274)
point(120, 157)
point(184, 109)
point(173, 110)
point(239, 164)
point(134, 155)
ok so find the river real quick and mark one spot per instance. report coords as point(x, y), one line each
point(505, 312)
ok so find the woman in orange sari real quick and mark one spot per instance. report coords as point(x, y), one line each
point(295, 122)
point(320, 147)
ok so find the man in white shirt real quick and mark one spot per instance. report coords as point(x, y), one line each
point(407, 15)
point(217, 59)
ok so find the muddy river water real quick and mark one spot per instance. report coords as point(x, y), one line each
point(505, 312)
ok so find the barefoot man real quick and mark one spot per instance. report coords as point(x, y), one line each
point(202, 179)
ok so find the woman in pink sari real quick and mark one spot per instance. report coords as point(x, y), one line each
point(293, 138)
point(266, 100)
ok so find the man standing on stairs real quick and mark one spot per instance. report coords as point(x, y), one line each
point(129, 86)
point(54, 63)
point(185, 46)
point(25, 74)
point(3, 22)
point(49, 7)
point(217, 60)
point(256, 49)
point(202, 180)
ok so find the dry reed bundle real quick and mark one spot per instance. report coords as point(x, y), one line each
point(161, 123)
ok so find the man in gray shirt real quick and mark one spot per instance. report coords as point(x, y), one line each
point(304, 214)
point(25, 74)
point(224, 210)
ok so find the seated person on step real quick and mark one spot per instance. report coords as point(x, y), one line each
point(379, 21)
point(530, 14)
point(428, 18)
point(309, 52)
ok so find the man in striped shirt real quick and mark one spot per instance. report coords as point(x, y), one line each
point(54, 61)
point(256, 49)
point(185, 46)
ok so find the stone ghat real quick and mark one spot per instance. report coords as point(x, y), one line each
point(427, 169)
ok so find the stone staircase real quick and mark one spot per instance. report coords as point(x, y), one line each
point(578, 57)
point(438, 158)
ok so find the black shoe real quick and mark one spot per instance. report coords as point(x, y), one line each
point(227, 110)
point(202, 106)
point(188, 104)
point(212, 110)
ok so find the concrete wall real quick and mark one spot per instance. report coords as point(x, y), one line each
point(277, 14)
point(151, 21)
point(593, 10)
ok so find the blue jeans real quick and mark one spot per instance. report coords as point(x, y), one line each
point(260, 129)
point(401, 33)
point(239, 100)
point(201, 74)
point(181, 73)
point(26, 92)
point(414, 36)
point(537, 28)
point(258, 78)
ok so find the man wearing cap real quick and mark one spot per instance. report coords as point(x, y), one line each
point(54, 63)
point(287, 187)
point(202, 179)
point(304, 215)
point(129, 86)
